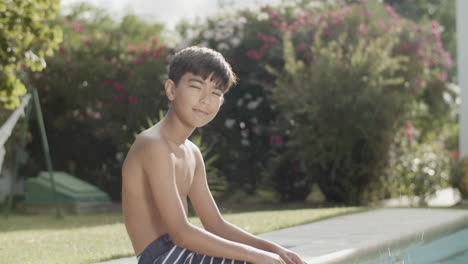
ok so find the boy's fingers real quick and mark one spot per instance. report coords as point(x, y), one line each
point(297, 259)
point(288, 260)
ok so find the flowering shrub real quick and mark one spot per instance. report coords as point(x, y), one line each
point(26, 39)
point(98, 90)
point(417, 169)
point(358, 68)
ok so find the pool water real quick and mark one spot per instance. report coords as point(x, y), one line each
point(461, 258)
point(450, 249)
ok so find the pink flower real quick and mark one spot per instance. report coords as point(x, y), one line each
point(276, 141)
point(403, 46)
point(362, 28)
point(391, 11)
point(62, 48)
point(139, 60)
point(302, 47)
point(419, 83)
point(382, 25)
point(435, 27)
point(117, 86)
point(155, 54)
point(131, 99)
point(296, 168)
point(455, 154)
point(253, 55)
point(89, 111)
point(131, 48)
point(145, 53)
point(119, 97)
point(255, 129)
point(327, 33)
point(78, 27)
point(264, 48)
point(443, 76)
point(448, 59)
point(273, 14)
point(260, 36)
point(409, 132)
point(270, 39)
point(154, 39)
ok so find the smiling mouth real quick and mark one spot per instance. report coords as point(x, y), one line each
point(200, 111)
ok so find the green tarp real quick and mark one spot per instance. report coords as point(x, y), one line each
point(69, 189)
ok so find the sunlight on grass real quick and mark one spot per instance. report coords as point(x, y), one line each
point(90, 239)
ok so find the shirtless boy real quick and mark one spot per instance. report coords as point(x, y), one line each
point(163, 168)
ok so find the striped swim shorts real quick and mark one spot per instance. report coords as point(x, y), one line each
point(163, 251)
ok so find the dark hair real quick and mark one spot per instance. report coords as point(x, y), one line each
point(203, 62)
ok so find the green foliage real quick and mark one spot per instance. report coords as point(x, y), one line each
point(342, 109)
point(26, 39)
point(216, 180)
point(98, 89)
point(351, 73)
point(459, 176)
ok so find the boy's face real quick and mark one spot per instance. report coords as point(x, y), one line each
point(196, 101)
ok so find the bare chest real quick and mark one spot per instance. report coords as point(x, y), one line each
point(184, 168)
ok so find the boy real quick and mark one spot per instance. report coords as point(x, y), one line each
point(163, 168)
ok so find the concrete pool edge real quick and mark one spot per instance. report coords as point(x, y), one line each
point(392, 246)
point(355, 238)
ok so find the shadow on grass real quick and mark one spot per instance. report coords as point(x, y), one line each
point(22, 222)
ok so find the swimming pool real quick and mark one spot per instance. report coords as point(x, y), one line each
point(449, 249)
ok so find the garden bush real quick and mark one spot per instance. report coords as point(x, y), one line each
point(96, 92)
point(366, 70)
point(417, 169)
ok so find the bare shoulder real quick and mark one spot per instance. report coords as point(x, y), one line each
point(196, 151)
point(147, 149)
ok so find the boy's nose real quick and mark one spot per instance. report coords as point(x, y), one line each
point(204, 98)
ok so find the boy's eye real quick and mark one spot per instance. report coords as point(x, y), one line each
point(196, 87)
point(217, 94)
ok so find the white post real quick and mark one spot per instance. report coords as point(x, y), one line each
point(462, 52)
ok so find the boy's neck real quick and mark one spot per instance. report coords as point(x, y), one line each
point(174, 130)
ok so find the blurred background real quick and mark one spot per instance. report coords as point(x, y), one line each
point(339, 102)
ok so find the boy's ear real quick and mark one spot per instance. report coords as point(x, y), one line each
point(170, 88)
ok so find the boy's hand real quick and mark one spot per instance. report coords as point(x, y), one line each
point(288, 256)
point(266, 257)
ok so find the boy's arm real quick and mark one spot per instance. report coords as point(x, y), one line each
point(208, 212)
point(158, 166)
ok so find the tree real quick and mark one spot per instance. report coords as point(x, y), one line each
point(26, 38)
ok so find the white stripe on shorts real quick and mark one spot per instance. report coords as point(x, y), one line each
point(180, 255)
point(168, 255)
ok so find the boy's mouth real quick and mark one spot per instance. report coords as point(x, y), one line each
point(200, 111)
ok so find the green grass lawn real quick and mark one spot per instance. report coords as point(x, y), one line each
point(93, 238)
